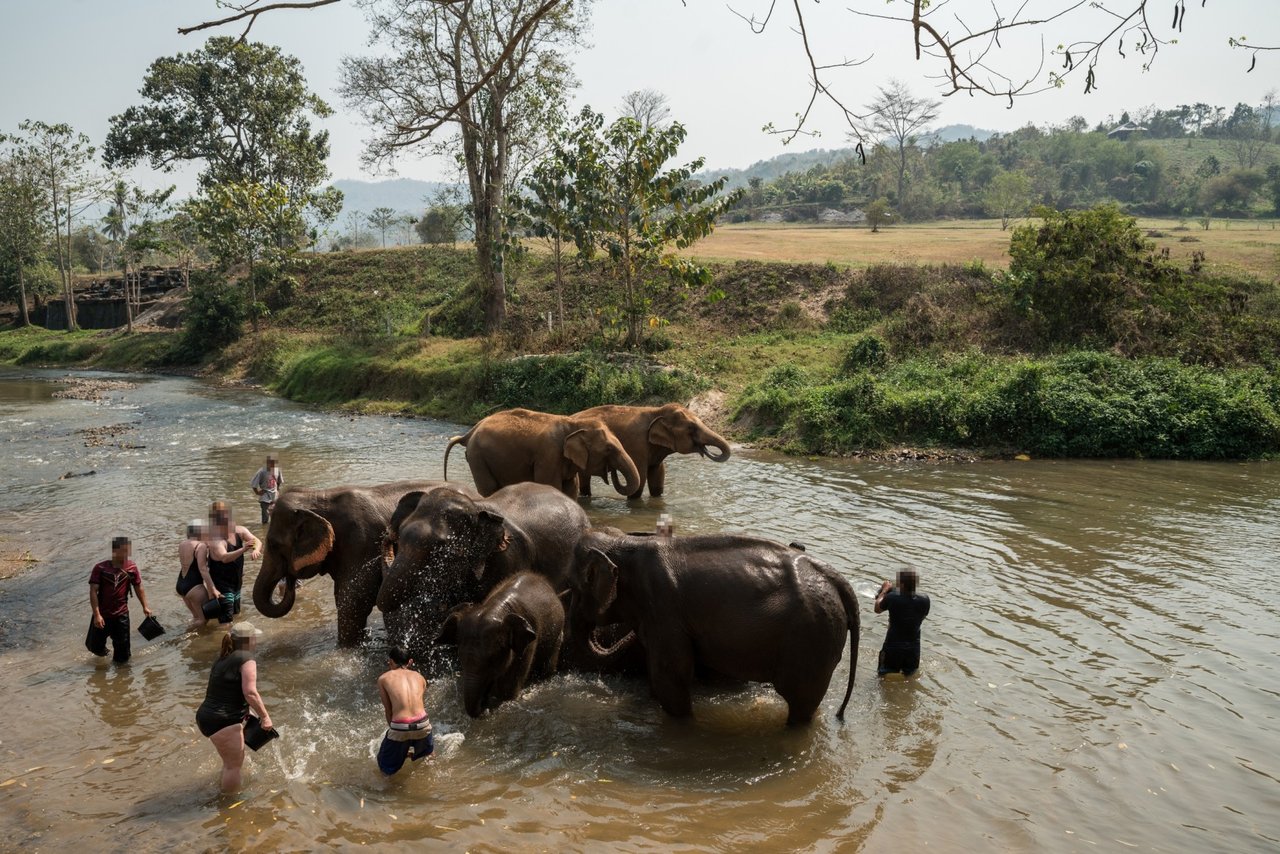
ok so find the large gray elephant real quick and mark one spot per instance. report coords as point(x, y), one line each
point(741, 607)
point(514, 634)
point(450, 548)
point(650, 434)
point(520, 445)
point(336, 532)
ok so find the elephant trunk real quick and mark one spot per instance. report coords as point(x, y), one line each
point(623, 463)
point(475, 694)
point(719, 444)
point(264, 589)
point(614, 648)
point(390, 596)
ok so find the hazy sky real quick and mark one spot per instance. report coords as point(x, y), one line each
point(81, 61)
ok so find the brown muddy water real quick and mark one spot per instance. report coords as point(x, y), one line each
point(1099, 673)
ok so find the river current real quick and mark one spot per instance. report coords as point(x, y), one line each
point(1099, 669)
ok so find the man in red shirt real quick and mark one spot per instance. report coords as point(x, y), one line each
point(109, 584)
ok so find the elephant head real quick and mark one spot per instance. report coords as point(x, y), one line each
point(593, 449)
point(298, 541)
point(595, 604)
point(677, 429)
point(490, 650)
point(438, 542)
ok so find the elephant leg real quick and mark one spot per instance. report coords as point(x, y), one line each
point(486, 483)
point(803, 690)
point(570, 487)
point(671, 678)
point(355, 598)
point(552, 661)
point(584, 485)
point(657, 476)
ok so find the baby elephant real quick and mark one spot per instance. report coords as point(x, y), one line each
point(514, 633)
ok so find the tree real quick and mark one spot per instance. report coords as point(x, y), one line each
point(649, 107)
point(440, 223)
point(59, 159)
point(548, 208)
point(1232, 191)
point(473, 80)
point(242, 108)
point(1008, 195)
point(238, 221)
point(895, 119)
point(631, 211)
point(382, 219)
point(878, 214)
point(23, 225)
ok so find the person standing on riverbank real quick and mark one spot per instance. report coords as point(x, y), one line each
point(408, 727)
point(266, 484)
point(109, 584)
point(907, 610)
point(231, 693)
point(228, 544)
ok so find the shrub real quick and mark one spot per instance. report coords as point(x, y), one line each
point(867, 353)
point(216, 313)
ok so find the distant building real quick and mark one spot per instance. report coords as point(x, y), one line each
point(1124, 131)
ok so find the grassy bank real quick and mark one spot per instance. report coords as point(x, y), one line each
point(810, 358)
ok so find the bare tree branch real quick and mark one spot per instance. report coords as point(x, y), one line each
point(250, 11)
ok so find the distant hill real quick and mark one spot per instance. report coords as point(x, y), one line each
point(799, 161)
point(402, 195)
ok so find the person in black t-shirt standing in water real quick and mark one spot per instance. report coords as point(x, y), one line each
point(907, 610)
point(232, 692)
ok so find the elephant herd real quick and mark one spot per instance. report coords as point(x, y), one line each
point(513, 574)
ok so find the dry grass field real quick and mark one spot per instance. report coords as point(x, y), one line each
point(1251, 247)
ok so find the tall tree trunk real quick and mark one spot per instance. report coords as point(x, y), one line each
point(128, 298)
point(23, 318)
point(72, 325)
point(559, 280)
point(902, 176)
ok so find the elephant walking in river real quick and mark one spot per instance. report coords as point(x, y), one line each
point(736, 606)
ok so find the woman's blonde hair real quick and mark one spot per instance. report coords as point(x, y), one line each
point(228, 645)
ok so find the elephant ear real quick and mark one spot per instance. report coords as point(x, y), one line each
point(312, 541)
point(522, 633)
point(449, 631)
point(602, 579)
point(577, 448)
point(660, 434)
point(404, 509)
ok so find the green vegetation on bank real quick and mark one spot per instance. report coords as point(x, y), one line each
point(1090, 345)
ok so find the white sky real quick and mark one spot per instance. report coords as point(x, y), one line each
point(81, 61)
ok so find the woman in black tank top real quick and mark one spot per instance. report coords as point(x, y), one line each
point(231, 693)
point(226, 558)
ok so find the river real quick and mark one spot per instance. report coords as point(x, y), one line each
point(1099, 670)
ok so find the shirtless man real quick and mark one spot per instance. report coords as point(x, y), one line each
point(409, 730)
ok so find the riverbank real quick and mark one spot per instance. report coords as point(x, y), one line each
point(887, 362)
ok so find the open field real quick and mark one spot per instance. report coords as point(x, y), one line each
point(1239, 246)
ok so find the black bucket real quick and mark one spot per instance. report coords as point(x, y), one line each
point(255, 736)
point(150, 628)
point(212, 609)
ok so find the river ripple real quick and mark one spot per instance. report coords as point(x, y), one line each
point(1099, 668)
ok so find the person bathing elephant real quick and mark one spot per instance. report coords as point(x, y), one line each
point(450, 547)
point(336, 532)
point(737, 606)
point(515, 633)
point(519, 445)
point(650, 434)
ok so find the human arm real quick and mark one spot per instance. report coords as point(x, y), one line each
point(386, 698)
point(142, 594)
point(249, 687)
point(93, 603)
point(252, 543)
point(218, 551)
point(885, 588)
point(202, 563)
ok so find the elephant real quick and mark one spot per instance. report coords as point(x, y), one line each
point(519, 445)
point(450, 547)
point(336, 532)
point(650, 434)
point(515, 633)
point(736, 606)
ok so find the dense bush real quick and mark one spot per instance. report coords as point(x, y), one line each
point(575, 381)
point(1083, 404)
point(215, 315)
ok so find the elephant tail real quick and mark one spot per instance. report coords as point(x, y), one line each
point(456, 440)
point(849, 599)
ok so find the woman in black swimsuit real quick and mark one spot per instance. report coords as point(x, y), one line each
point(232, 692)
point(194, 584)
